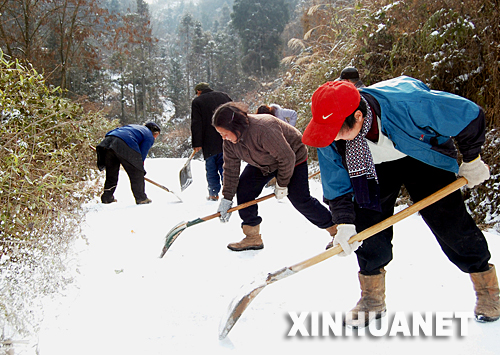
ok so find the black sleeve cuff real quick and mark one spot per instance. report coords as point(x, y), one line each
point(342, 209)
point(472, 137)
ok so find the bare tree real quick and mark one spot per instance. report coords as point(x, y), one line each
point(74, 23)
point(22, 28)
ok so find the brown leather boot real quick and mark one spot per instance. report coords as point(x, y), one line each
point(372, 302)
point(332, 230)
point(252, 241)
point(488, 303)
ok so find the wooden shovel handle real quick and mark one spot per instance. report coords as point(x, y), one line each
point(445, 191)
point(157, 184)
point(191, 157)
point(249, 203)
point(239, 207)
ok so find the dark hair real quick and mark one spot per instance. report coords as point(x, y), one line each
point(232, 116)
point(201, 86)
point(266, 109)
point(153, 127)
point(349, 73)
point(351, 120)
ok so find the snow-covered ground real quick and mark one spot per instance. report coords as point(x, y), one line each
point(126, 300)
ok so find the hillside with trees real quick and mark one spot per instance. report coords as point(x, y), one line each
point(450, 45)
point(72, 69)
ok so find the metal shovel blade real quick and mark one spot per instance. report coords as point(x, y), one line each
point(185, 176)
point(246, 295)
point(172, 236)
point(238, 305)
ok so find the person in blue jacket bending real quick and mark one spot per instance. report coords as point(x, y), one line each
point(399, 132)
point(128, 145)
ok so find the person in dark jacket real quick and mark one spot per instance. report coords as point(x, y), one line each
point(272, 148)
point(205, 137)
point(128, 145)
point(399, 132)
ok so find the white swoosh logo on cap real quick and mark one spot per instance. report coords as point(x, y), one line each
point(325, 117)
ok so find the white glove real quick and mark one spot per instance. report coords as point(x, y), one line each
point(475, 172)
point(223, 207)
point(280, 192)
point(344, 233)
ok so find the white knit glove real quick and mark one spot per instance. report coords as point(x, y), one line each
point(344, 233)
point(280, 192)
point(475, 172)
point(224, 205)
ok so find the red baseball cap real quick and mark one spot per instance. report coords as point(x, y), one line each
point(331, 104)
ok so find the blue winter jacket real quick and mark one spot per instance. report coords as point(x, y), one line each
point(420, 122)
point(139, 138)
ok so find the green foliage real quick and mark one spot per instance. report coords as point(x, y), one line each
point(450, 45)
point(483, 201)
point(260, 24)
point(45, 159)
point(176, 90)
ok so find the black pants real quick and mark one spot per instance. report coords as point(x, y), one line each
point(136, 176)
point(252, 181)
point(455, 230)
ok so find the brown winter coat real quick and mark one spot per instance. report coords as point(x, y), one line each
point(268, 144)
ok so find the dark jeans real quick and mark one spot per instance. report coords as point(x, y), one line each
point(252, 181)
point(213, 166)
point(455, 230)
point(135, 175)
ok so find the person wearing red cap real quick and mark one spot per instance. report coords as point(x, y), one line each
point(399, 132)
point(272, 148)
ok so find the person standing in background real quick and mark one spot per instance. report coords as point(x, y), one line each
point(351, 74)
point(205, 137)
point(284, 114)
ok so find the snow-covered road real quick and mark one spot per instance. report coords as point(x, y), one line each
point(126, 300)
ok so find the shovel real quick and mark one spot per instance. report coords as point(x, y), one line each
point(162, 187)
point(250, 291)
point(179, 228)
point(185, 176)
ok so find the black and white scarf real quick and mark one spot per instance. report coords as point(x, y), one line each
point(361, 167)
